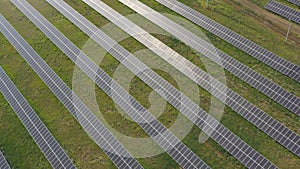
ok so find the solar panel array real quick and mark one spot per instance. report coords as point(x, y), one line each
point(96, 130)
point(283, 11)
point(241, 150)
point(169, 142)
point(296, 2)
point(260, 119)
point(198, 116)
point(285, 67)
point(184, 156)
point(34, 125)
point(3, 163)
point(269, 88)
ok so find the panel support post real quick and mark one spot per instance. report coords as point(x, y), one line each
point(288, 32)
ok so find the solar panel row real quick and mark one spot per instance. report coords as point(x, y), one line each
point(285, 67)
point(193, 112)
point(274, 91)
point(181, 153)
point(296, 2)
point(3, 163)
point(36, 128)
point(184, 156)
point(95, 129)
point(260, 119)
point(283, 11)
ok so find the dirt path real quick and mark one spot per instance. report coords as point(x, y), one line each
point(278, 24)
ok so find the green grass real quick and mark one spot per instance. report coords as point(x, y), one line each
point(22, 152)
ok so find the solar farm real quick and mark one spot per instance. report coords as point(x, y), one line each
point(149, 84)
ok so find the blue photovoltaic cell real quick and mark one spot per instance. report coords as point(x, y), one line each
point(283, 11)
point(3, 163)
point(34, 125)
point(166, 139)
point(285, 67)
point(296, 2)
point(163, 137)
point(257, 117)
point(270, 89)
point(172, 95)
point(267, 87)
point(249, 111)
point(90, 123)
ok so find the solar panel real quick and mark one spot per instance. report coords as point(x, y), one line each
point(283, 11)
point(245, 73)
point(155, 129)
point(84, 24)
point(34, 125)
point(296, 2)
point(95, 129)
point(247, 110)
point(172, 95)
point(3, 163)
point(251, 48)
